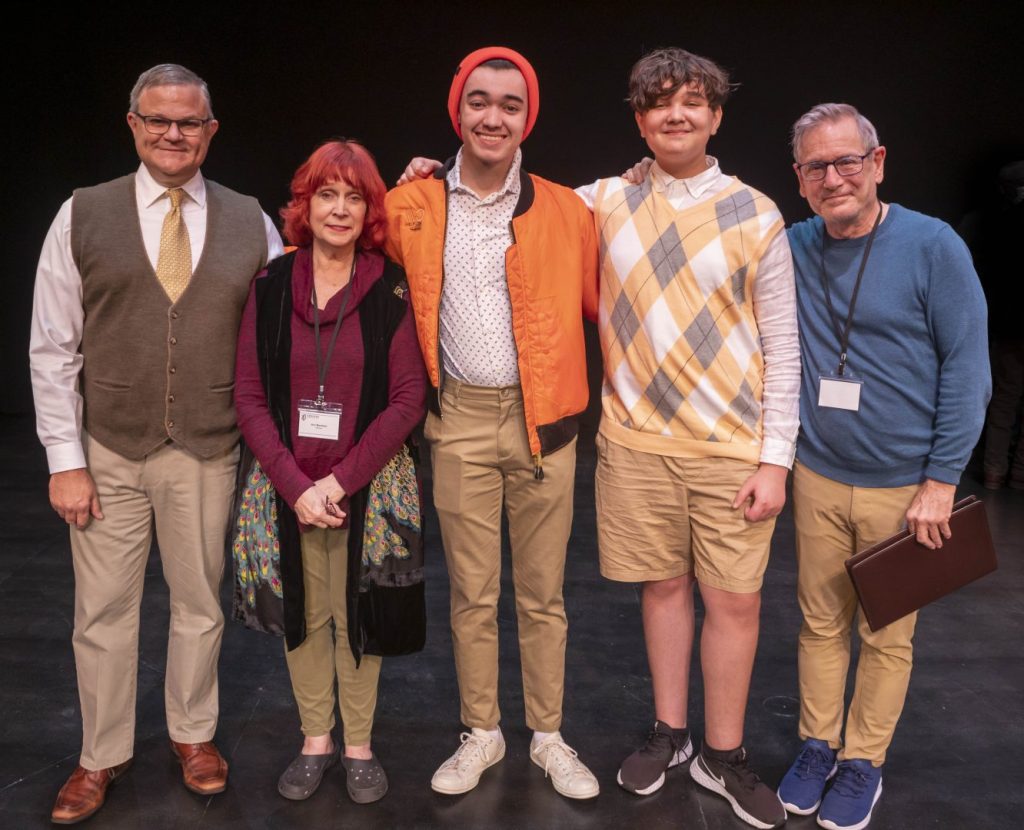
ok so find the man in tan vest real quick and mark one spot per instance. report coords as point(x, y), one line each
point(138, 295)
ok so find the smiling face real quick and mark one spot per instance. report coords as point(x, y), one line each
point(848, 204)
point(492, 115)
point(336, 214)
point(172, 158)
point(677, 130)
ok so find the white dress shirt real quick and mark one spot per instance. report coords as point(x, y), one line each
point(774, 310)
point(58, 317)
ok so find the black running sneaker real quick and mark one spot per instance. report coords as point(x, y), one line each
point(753, 801)
point(643, 772)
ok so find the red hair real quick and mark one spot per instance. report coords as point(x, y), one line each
point(335, 161)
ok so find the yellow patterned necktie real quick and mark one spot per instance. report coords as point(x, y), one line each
point(174, 264)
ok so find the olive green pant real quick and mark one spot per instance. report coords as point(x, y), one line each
point(324, 656)
point(834, 521)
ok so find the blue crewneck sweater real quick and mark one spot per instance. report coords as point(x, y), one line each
point(918, 343)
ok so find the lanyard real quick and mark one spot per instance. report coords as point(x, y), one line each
point(844, 335)
point(323, 363)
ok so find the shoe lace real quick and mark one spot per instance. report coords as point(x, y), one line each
point(473, 747)
point(658, 743)
point(560, 754)
point(813, 762)
point(747, 777)
point(851, 781)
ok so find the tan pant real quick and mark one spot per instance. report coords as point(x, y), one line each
point(323, 657)
point(481, 456)
point(189, 500)
point(834, 521)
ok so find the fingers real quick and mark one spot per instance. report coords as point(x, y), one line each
point(744, 493)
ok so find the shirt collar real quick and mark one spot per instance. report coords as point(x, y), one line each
point(148, 190)
point(512, 184)
point(696, 186)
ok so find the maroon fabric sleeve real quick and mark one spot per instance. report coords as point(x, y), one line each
point(254, 418)
point(407, 396)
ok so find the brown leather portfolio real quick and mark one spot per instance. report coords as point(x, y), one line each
point(900, 575)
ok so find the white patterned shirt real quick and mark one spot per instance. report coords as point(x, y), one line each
point(477, 345)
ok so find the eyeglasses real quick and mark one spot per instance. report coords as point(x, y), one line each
point(815, 171)
point(158, 125)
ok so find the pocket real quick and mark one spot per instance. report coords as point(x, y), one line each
point(110, 385)
point(227, 386)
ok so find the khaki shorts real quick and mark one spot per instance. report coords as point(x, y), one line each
point(660, 517)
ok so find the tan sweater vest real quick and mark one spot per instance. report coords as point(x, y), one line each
point(154, 371)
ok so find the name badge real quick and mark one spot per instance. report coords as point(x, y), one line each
point(319, 419)
point(839, 393)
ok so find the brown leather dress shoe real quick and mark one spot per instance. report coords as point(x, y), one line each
point(205, 770)
point(84, 793)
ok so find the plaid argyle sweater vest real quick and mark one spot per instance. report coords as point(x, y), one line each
point(682, 354)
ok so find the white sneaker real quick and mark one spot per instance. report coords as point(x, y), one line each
point(460, 773)
point(567, 772)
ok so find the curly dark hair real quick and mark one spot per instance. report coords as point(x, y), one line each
point(663, 71)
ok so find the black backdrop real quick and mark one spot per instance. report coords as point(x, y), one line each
point(942, 82)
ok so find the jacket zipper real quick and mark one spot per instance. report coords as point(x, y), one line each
point(538, 460)
point(440, 299)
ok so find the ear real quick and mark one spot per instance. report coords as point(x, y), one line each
point(212, 128)
point(799, 180)
point(879, 164)
point(640, 123)
point(716, 122)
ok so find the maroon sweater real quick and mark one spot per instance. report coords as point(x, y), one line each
point(353, 464)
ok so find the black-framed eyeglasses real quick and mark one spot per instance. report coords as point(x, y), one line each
point(815, 171)
point(158, 125)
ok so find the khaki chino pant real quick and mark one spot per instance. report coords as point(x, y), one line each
point(481, 458)
point(834, 521)
point(188, 499)
point(324, 656)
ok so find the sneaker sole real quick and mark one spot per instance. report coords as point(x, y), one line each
point(567, 793)
point(680, 757)
point(460, 790)
point(710, 783)
point(831, 825)
point(806, 811)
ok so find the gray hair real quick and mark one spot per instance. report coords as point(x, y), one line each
point(168, 74)
point(830, 113)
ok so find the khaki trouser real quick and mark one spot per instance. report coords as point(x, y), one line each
point(834, 521)
point(325, 657)
point(189, 500)
point(481, 456)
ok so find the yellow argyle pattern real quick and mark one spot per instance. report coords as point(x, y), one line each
point(174, 263)
point(682, 352)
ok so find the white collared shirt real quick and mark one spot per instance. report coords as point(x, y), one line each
point(58, 317)
point(774, 310)
point(477, 344)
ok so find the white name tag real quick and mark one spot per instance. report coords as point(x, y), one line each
point(839, 393)
point(318, 420)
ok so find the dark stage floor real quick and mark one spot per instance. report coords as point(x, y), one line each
point(956, 761)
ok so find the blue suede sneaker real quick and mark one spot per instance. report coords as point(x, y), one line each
point(801, 787)
point(848, 804)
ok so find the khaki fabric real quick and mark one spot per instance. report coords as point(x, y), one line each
point(834, 521)
point(481, 458)
point(187, 499)
point(324, 656)
point(660, 517)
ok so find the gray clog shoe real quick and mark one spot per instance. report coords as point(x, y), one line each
point(366, 780)
point(303, 775)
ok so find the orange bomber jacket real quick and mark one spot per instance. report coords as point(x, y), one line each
point(551, 268)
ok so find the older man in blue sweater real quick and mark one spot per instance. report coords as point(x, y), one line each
point(895, 383)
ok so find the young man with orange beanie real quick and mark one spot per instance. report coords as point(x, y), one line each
point(502, 266)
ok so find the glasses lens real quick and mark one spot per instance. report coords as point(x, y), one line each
point(814, 171)
point(849, 165)
point(190, 127)
point(155, 125)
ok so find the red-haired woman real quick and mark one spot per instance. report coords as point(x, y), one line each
point(330, 383)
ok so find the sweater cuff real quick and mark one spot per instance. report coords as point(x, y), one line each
point(947, 475)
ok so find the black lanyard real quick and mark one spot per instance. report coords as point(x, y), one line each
point(844, 334)
point(322, 363)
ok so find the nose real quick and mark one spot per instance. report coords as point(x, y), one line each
point(340, 207)
point(676, 112)
point(492, 117)
point(832, 177)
